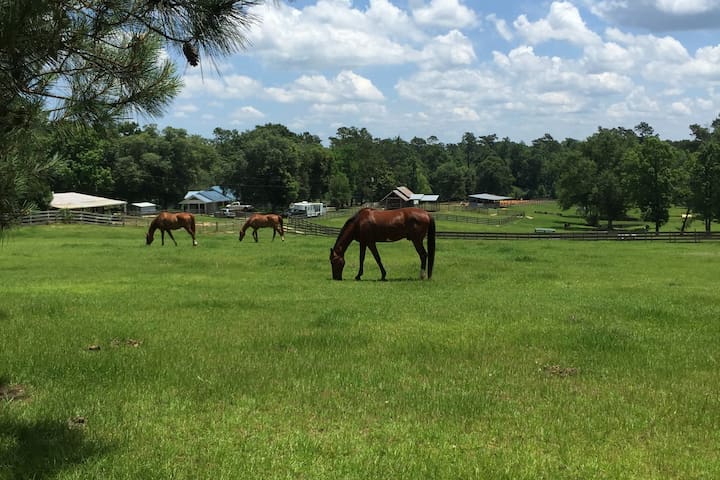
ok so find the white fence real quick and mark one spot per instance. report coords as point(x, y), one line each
point(71, 216)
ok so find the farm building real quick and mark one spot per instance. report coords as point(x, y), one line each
point(404, 197)
point(90, 203)
point(205, 201)
point(143, 208)
point(486, 200)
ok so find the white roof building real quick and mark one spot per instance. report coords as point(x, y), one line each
point(81, 201)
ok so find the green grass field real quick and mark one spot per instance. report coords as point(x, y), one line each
point(518, 360)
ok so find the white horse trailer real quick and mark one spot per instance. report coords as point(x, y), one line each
point(307, 209)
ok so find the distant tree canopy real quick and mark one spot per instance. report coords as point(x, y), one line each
point(602, 177)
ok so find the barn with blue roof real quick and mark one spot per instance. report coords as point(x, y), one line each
point(206, 202)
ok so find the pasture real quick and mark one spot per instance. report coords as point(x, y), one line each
point(518, 360)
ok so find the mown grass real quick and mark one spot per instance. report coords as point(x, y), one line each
point(244, 360)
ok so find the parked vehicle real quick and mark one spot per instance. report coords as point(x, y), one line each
point(306, 209)
point(244, 207)
point(225, 212)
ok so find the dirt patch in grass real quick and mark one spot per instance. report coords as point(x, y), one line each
point(13, 393)
point(77, 422)
point(129, 342)
point(118, 342)
point(560, 371)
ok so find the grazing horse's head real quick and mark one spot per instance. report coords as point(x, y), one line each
point(149, 238)
point(337, 262)
point(242, 235)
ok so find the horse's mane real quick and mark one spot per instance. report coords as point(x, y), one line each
point(348, 224)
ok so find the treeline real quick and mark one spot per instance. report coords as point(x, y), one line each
point(603, 176)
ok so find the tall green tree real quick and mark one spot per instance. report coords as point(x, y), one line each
point(494, 176)
point(605, 195)
point(339, 190)
point(575, 185)
point(315, 166)
point(86, 166)
point(449, 181)
point(272, 153)
point(651, 178)
point(358, 156)
point(705, 183)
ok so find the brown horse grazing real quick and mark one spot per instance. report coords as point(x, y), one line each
point(167, 222)
point(370, 226)
point(258, 220)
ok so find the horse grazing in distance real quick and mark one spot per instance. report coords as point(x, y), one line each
point(369, 226)
point(167, 222)
point(259, 220)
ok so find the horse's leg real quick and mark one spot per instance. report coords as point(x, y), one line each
point(274, 233)
point(363, 246)
point(162, 236)
point(192, 234)
point(255, 235)
point(376, 255)
point(420, 248)
point(171, 237)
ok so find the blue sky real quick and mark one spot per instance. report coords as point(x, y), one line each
point(418, 68)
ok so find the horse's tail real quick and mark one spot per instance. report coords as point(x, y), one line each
point(431, 247)
point(282, 228)
point(192, 224)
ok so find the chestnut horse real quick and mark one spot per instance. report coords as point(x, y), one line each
point(370, 226)
point(167, 222)
point(259, 220)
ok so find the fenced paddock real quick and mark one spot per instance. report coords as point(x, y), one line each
point(303, 226)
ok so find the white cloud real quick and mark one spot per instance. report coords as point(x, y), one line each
point(453, 49)
point(562, 23)
point(501, 26)
point(246, 113)
point(453, 88)
point(445, 13)
point(187, 108)
point(465, 113)
point(226, 86)
point(333, 34)
point(681, 108)
point(685, 7)
point(347, 85)
point(609, 56)
point(662, 60)
point(637, 104)
point(659, 15)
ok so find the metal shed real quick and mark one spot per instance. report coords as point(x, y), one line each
point(486, 200)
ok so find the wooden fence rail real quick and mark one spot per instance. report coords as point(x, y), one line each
point(71, 216)
point(489, 220)
point(586, 236)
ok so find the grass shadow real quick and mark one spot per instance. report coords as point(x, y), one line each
point(42, 449)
